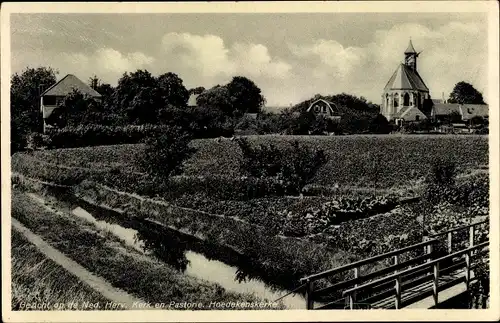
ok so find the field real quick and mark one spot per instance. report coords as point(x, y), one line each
point(364, 201)
point(354, 161)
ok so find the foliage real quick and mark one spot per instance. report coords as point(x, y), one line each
point(465, 93)
point(317, 219)
point(140, 96)
point(380, 125)
point(294, 166)
point(25, 103)
point(197, 90)
point(165, 154)
point(440, 180)
point(97, 135)
point(76, 109)
point(245, 96)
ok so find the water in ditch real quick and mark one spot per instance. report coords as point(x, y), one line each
point(192, 256)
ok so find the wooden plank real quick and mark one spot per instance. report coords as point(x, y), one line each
point(420, 292)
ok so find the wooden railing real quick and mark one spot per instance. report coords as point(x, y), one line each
point(309, 281)
point(397, 277)
point(393, 279)
point(449, 234)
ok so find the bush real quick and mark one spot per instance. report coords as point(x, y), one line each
point(440, 181)
point(293, 166)
point(37, 140)
point(165, 154)
point(97, 135)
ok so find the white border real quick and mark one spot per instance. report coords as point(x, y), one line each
point(491, 7)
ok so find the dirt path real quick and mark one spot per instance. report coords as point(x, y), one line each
point(115, 295)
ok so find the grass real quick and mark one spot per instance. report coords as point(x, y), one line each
point(105, 256)
point(39, 280)
point(381, 161)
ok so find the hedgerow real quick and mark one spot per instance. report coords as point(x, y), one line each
point(98, 135)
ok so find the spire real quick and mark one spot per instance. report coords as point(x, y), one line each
point(410, 49)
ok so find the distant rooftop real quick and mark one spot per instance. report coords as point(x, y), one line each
point(66, 85)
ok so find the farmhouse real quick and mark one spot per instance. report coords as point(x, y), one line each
point(405, 93)
point(462, 112)
point(325, 108)
point(51, 98)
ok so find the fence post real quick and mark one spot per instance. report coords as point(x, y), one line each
point(471, 237)
point(396, 262)
point(397, 288)
point(429, 252)
point(309, 295)
point(450, 236)
point(436, 283)
point(352, 299)
point(467, 270)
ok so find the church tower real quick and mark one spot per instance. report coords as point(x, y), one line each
point(404, 95)
point(411, 56)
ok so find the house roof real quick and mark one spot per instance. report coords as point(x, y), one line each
point(446, 108)
point(328, 104)
point(66, 85)
point(401, 112)
point(406, 78)
point(470, 111)
point(410, 49)
point(192, 100)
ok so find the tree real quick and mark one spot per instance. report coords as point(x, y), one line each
point(465, 93)
point(76, 109)
point(172, 89)
point(245, 96)
point(217, 97)
point(25, 102)
point(129, 86)
point(197, 90)
point(94, 82)
point(144, 106)
point(166, 153)
point(380, 125)
point(293, 166)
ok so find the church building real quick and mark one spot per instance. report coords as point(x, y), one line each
point(405, 93)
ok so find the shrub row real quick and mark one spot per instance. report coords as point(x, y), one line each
point(96, 135)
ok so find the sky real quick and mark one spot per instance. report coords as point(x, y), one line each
point(290, 56)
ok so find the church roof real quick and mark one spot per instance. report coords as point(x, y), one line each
point(66, 85)
point(406, 78)
point(410, 49)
